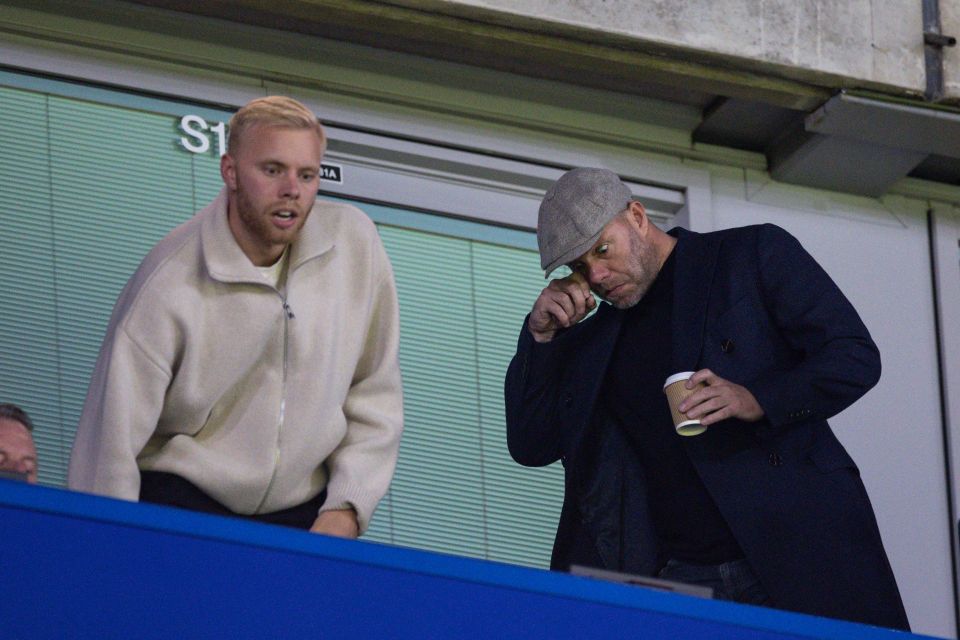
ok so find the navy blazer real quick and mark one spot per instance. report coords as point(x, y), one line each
point(753, 306)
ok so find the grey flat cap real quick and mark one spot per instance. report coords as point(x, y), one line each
point(574, 211)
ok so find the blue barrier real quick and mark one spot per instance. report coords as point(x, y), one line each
point(81, 566)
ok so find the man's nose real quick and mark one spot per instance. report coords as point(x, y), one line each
point(596, 274)
point(290, 186)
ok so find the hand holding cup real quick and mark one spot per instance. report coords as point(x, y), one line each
point(711, 399)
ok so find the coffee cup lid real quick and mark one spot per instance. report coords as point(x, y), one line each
point(683, 375)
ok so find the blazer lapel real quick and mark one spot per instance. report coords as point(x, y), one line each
point(606, 332)
point(601, 340)
point(695, 261)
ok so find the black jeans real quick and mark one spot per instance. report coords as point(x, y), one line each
point(169, 489)
point(732, 580)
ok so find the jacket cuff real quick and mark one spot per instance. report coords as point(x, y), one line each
point(540, 358)
point(780, 407)
point(355, 497)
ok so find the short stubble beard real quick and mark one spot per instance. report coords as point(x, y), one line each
point(643, 269)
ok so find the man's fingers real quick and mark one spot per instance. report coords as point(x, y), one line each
point(579, 291)
point(572, 296)
point(694, 400)
point(562, 311)
point(562, 303)
point(566, 303)
point(705, 376)
point(714, 410)
point(717, 416)
point(556, 311)
point(571, 285)
point(588, 301)
point(719, 400)
point(580, 302)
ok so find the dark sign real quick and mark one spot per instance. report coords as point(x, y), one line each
point(331, 173)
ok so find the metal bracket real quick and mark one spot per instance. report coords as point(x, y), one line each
point(938, 39)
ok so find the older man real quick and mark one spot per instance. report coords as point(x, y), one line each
point(250, 366)
point(765, 507)
point(18, 454)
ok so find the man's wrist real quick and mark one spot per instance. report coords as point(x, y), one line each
point(339, 506)
point(540, 336)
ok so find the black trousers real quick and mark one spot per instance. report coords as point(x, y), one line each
point(172, 490)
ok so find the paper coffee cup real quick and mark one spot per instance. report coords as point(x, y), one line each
point(676, 390)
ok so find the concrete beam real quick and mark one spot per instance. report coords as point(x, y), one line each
point(867, 42)
point(840, 164)
point(861, 145)
point(529, 46)
point(889, 124)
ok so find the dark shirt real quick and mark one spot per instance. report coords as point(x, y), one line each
point(688, 523)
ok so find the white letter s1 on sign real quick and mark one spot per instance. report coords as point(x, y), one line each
point(187, 124)
point(221, 130)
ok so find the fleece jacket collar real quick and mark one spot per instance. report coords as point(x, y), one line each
point(226, 261)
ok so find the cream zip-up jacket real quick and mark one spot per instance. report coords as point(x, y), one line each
point(260, 397)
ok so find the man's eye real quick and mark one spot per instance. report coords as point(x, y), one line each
point(602, 249)
point(308, 177)
point(271, 170)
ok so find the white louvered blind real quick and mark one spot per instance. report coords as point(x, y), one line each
point(462, 303)
point(29, 355)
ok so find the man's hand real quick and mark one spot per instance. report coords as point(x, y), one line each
point(563, 303)
point(337, 522)
point(719, 400)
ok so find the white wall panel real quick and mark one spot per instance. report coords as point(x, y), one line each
point(877, 252)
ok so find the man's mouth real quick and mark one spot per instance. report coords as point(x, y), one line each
point(285, 218)
point(608, 292)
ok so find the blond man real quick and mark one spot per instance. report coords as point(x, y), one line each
point(250, 365)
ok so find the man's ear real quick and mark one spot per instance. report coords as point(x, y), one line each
point(637, 215)
point(228, 171)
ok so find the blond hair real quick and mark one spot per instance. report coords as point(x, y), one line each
point(273, 111)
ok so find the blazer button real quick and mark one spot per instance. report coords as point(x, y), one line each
point(727, 346)
point(567, 400)
point(775, 460)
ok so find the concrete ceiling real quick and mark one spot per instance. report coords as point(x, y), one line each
point(812, 130)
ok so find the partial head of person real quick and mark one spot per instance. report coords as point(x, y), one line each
point(272, 172)
point(589, 221)
point(18, 455)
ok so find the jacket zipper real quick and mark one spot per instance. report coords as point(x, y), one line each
point(287, 316)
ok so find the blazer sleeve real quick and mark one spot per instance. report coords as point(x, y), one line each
point(838, 361)
point(533, 399)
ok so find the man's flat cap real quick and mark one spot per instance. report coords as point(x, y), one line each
point(574, 212)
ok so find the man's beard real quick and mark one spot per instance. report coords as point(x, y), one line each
point(642, 270)
point(257, 223)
